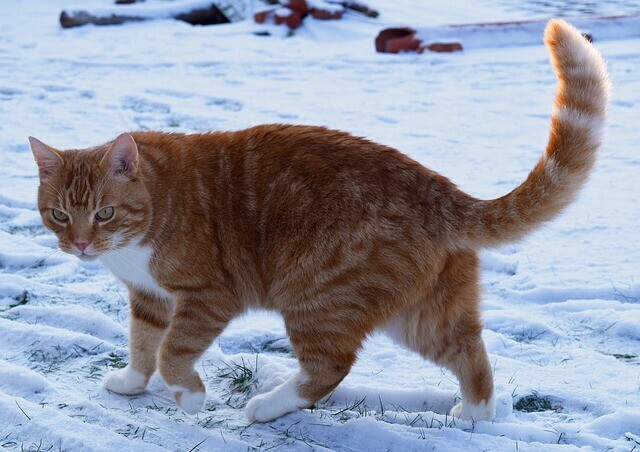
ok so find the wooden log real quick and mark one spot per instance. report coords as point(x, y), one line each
point(442, 47)
point(358, 7)
point(324, 14)
point(194, 13)
point(323, 10)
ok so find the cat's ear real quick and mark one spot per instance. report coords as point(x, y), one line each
point(46, 158)
point(122, 157)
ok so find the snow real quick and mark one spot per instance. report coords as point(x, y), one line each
point(527, 33)
point(283, 12)
point(325, 6)
point(561, 308)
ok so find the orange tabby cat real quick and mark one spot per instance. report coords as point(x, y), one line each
point(339, 235)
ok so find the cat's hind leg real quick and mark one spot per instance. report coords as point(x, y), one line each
point(326, 351)
point(446, 328)
point(150, 316)
point(476, 384)
point(284, 399)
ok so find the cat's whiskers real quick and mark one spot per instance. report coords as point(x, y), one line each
point(51, 254)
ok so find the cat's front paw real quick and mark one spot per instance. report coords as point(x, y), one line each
point(126, 381)
point(190, 401)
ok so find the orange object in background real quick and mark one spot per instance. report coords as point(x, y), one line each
point(395, 40)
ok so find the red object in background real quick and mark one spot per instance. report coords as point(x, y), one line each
point(261, 16)
point(291, 12)
point(394, 40)
point(292, 20)
point(300, 6)
point(326, 14)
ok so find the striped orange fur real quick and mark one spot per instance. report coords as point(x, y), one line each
point(339, 235)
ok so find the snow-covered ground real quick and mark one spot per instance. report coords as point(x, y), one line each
point(562, 308)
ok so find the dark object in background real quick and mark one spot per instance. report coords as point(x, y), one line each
point(442, 47)
point(324, 14)
point(361, 8)
point(394, 40)
point(200, 16)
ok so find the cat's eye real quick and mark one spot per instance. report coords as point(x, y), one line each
point(104, 214)
point(60, 215)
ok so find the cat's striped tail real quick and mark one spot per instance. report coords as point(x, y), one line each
point(577, 128)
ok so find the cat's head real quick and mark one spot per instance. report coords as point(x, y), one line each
point(94, 200)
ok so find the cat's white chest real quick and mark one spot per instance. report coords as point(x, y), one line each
point(131, 264)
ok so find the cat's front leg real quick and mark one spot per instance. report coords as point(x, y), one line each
point(198, 320)
point(150, 317)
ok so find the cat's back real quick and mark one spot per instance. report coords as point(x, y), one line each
point(328, 164)
point(293, 168)
point(277, 145)
point(319, 148)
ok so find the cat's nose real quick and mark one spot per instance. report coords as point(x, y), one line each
point(81, 245)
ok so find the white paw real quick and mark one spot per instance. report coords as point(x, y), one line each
point(278, 402)
point(190, 402)
point(456, 411)
point(484, 411)
point(125, 381)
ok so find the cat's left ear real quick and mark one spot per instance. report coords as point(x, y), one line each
point(123, 155)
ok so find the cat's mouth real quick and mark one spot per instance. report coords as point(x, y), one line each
point(87, 257)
